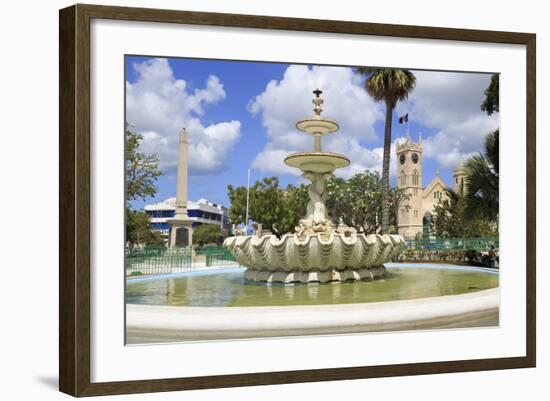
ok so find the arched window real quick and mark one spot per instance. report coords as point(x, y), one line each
point(415, 177)
point(403, 178)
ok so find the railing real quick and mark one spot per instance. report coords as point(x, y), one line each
point(220, 256)
point(214, 256)
point(478, 244)
point(152, 261)
point(158, 261)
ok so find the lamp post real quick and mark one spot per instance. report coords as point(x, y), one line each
point(247, 201)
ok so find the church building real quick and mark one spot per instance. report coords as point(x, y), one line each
point(414, 221)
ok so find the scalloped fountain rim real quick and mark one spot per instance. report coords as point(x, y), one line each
point(314, 257)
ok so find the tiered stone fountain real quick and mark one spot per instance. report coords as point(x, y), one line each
point(316, 251)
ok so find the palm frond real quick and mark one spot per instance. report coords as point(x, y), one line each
point(388, 84)
point(482, 193)
point(491, 149)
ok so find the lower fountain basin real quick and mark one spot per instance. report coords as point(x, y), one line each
point(314, 258)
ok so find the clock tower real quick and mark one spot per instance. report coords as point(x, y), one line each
point(409, 178)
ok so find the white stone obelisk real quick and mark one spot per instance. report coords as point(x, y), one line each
point(181, 221)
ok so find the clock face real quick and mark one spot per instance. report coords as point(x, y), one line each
point(414, 158)
point(402, 159)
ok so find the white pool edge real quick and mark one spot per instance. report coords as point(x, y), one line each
point(181, 322)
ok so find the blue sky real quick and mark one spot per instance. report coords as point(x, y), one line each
point(241, 115)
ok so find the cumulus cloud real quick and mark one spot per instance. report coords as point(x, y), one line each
point(446, 103)
point(285, 101)
point(450, 103)
point(460, 140)
point(158, 106)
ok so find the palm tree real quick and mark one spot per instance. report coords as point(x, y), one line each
point(389, 85)
point(482, 181)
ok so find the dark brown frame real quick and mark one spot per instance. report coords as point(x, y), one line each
point(74, 199)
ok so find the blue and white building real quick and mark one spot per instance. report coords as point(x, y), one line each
point(199, 212)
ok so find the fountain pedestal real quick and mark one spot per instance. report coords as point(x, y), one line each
point(316, 252)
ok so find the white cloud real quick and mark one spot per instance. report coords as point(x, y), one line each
point(445, 101)
point(450, 102)
point(365, 159)
point(284, 102)
point(158, 106)
point(271, 160)
point(459, 140)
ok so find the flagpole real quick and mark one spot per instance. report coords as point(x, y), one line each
point(247, 201)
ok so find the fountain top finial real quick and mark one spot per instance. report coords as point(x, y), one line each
point(317, 101)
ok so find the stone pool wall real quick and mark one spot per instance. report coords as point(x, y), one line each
point(459, 256)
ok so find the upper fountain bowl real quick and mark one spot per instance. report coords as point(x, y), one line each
point(317, 162)
point(317, 126)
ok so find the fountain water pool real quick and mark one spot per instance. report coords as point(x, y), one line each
point(226, 288)
point(212, 305)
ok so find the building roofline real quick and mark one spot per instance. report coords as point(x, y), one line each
point(437, 179)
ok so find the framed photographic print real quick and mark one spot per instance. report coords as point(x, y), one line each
point(250, 200)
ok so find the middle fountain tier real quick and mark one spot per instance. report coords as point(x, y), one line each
point(316, 251)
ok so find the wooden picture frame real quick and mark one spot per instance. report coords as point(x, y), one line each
point(75, 206)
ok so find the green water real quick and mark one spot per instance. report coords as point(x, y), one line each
point(229, 289)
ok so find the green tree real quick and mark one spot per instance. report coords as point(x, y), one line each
point(268, 207)
point(482, 170)
point(138, 230)
point(275, 209)
point(491, 102)
point(357, 202)
point(237, 210)
point(452, 220)
point(389, 85)
point(141, 169)
point(482, 180)
point(295, 201)
point(141, 173)
point(208, 234)
point(449, 218)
